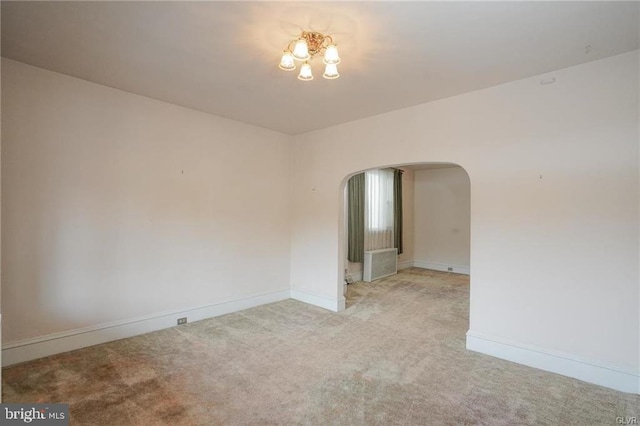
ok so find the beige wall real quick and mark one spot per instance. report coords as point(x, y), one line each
point(118, 206)
point(442, 219)
point(554, 206)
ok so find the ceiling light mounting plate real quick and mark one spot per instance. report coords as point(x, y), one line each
point(315, 41)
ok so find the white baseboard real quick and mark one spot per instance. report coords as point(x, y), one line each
point(38, 347)
point(441, 267)
point(596, 372)
point(318, 300)
point(405, 265)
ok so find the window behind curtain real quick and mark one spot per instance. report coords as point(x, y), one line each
point(378, 212)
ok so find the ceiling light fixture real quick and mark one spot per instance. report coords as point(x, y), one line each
point(305, 48)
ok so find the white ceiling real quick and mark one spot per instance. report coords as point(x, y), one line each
point(221, 57)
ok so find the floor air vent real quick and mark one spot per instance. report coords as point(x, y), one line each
point(380, 264)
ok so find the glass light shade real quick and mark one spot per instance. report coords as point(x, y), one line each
point(301, 51)
point(331, 71)
point(331, 55)
point(287, 63)
point(305, 72)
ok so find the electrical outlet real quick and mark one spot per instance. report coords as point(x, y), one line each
point(182, 320)
point(450, 269)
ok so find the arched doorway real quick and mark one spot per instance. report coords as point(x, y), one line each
point(436, 215)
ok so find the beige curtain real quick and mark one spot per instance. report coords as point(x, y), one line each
point(379, 209)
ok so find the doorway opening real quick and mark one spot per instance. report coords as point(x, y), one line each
point(436, 225)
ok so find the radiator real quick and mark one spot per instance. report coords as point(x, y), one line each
point(379, 264)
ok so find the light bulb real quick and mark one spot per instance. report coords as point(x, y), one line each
point(331, 71)
point(305, 72)
point(331, 55)
point(287, 63)
point(301, 51)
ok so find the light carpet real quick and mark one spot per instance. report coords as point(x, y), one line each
point(396, 355)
